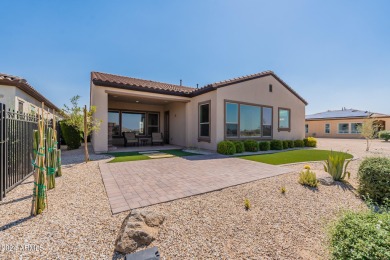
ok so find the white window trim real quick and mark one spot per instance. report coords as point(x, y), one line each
point(338, 128)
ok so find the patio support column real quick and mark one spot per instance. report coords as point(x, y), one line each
point(100, 138)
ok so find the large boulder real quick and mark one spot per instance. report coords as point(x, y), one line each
point(139, 229)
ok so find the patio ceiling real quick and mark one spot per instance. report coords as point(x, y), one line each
point(140, 98)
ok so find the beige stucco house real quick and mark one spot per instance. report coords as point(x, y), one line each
point(342, 123)
point(18, 95)
point(259, 106)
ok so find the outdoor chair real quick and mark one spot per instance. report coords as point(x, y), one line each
point(157, 138)
point(130, 138)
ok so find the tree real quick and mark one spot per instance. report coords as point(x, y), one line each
point(368, 130)
point(82, 120)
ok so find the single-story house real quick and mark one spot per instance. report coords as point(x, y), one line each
point(18, 95)
point(259, 106)
point(342, 123)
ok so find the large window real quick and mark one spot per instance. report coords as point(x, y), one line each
point(113, 117)
point(204, 120)
point(327, 128)
point(343, 128)
point(356, 128)
point(245, 121)
point(133, 122)
point(284, 119)
point(250, 118)
point(153, 123)
point(231, 120)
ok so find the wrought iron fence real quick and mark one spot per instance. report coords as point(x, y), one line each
point(16, 151)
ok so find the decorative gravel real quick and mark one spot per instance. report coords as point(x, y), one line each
point(79, 223)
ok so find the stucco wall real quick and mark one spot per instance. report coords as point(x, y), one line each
point(7, 96)
point(99, 98)
point(317, 127)
point(177, 123)
point(256, 91)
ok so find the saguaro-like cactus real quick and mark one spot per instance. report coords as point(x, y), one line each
point(51, 159)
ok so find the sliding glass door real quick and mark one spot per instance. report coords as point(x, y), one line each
point(133, 122)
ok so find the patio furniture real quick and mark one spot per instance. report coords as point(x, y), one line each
point(130, 138)
point(143, 140)
point(157, 138)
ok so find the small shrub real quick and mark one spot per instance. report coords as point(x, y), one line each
point(251, 145)
point(310, 142)
point(283, 190)
point(308, 178)
point(265, 146)
point(226, 147)
point(276, 145)
point(307, 167)
point(247, 204)
point(374, 178)
point(291, 144)
point(385, 135)
point(361, 235)
point(71, 136)
point(285, 144)
point(299, 143)
point(240, 148)
point(336, 166)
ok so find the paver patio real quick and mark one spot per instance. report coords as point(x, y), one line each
point(136, 184)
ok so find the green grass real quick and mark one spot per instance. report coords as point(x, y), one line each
point(135, 156)
point(292, 156)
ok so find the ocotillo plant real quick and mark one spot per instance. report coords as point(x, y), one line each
point(51, 159)
point(39, 202)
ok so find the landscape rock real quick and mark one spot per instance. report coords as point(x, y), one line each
point(139, 229)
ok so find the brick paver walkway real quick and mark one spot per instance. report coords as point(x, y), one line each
point(137, 184)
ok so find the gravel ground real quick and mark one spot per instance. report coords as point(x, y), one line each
point(79, 224)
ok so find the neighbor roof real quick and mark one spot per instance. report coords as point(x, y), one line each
point(343, 113)
point(22, 84)
point(111, 80)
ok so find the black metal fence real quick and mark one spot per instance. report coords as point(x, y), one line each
point(16, 147)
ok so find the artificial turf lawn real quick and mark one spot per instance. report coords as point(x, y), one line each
point(292, 156)
point(135, 156)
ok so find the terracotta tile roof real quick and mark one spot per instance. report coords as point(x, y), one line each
point(111, 80)
point(22, 84)
point(104, 78)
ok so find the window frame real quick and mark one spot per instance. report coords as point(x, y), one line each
point(20, 105)
point(288, 129)
point(147, 123)
point(350, 127)
point(204, 138)
point(338, 128)
point(119, 123)
point(327, 124)
point(239, 137)
point(306, 128)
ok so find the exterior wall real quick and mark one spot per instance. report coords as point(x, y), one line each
point(7, 96)
point(177, 123)
point(257, 92)
point(99, 98)
point(317, 127)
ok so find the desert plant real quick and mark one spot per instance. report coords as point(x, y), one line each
point(374, 178)
point(285, 144)
point(265, 146)
point(71, 136)
point(299, 143)
point(385, 135)
point(251, 145)
point(307, 167)
point(283, 190)
point(336, 165)
point(310, 142)
point(247, 204)
point(291, 144)
point(368, 130)
point(308, 178)
point(276, 145)
point(51, 161)
point(226, 147)
point(240, 148)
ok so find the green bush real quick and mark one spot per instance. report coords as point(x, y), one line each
point(299, 143)
point(285, 144)
point(385, 135)
point(265, 146)
point(71, 136)
point(336, 165)
point(374, 178)
point(361, 235)
point(276, 145)
point(240, 148)
point(251, 145)
point(310, 142)
point(226, 147)
point(291, 144)
point(308, 178)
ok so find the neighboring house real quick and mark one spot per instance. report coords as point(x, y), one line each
point(342, 123)
point(259, 106)
point(21, 97)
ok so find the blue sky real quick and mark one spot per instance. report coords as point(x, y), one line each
point(334, 53)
